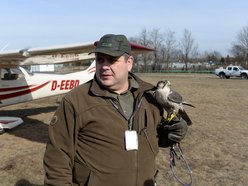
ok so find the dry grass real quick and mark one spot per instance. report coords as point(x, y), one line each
point(215, 146)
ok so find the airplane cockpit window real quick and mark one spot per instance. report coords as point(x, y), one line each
point(11, 74)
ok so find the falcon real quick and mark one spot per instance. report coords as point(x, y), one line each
point(171, 101)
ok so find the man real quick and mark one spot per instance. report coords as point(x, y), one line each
point(104, 132)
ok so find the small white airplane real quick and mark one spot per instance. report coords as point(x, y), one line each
point(19, 85)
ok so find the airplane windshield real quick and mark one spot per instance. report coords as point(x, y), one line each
point(27, 71)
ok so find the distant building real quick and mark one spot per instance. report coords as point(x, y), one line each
point(42, 68)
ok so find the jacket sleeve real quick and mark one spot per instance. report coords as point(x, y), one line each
point(60, 149)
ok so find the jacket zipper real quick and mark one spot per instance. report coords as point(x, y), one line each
point(136, 168)
point(138, 102)
point(136, 110)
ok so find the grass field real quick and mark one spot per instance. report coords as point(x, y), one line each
point(215, 146)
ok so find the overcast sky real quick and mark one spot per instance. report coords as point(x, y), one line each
point(214, 24)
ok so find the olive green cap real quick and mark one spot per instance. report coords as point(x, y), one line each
point(113, 45)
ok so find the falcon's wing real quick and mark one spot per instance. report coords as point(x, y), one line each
point(175, 97)
point(178, 101)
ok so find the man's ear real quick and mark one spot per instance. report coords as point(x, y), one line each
point(130, 61)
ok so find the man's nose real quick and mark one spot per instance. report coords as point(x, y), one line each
point(105, 64)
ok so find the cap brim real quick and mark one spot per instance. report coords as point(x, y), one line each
point(108, 52)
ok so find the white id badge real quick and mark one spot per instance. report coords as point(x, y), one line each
point(131, 140)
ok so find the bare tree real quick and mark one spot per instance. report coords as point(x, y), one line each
point(168, 47)
point(188, 47)
point(240, 46)
point(243, 38)
point(145, 41)
point(156, 42)
point(214, 56)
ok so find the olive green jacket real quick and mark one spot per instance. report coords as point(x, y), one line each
point(86, 139)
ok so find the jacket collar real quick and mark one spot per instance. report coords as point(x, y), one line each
point(137, 86)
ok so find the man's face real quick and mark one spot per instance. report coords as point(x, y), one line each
point(112, 72)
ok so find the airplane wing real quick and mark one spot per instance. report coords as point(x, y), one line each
point(11, 58)
point(55, 54)
point(47, 55)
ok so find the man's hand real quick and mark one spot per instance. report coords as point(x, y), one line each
point(172, 132)
point(177, 130)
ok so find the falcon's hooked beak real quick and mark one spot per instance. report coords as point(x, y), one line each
point(167, 83)
point(162, 84)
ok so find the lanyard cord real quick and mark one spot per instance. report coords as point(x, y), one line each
point(173, 153)
point(136, 109)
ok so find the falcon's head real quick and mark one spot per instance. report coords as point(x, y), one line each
point(163, 84)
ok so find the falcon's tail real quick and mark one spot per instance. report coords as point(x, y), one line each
point(188, 104)
point(185, 116)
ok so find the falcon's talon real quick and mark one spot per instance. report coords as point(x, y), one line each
point(171, 117)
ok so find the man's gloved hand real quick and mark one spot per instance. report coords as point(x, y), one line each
point(172, 132)
point(177, 130)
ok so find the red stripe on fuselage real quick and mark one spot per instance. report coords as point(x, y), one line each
point(20, 93)
point(14, 88)
point(91, 70)
point(7, 121)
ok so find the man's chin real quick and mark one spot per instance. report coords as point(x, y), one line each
point(106, 82)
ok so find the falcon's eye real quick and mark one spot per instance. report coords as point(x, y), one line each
point(160, 84)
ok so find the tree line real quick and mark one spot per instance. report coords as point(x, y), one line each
point(184, 51)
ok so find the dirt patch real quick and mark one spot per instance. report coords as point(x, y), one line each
point(215, 146)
